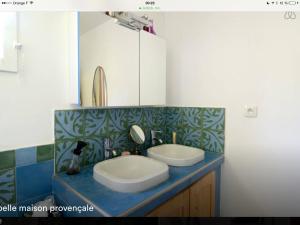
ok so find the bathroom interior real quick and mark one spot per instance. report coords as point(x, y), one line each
point(157, 114)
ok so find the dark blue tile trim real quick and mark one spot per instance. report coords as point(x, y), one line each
point(34, 180)
point(67, 197)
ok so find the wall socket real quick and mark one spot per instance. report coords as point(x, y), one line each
point(250, 111)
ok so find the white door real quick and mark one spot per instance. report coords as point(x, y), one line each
point(152, 69)
point(116, 49)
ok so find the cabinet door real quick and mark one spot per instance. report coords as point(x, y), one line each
point(152, 69)
point(178, 206)
point(116, 49)
point(202, 197)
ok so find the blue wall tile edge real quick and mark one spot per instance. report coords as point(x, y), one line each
point(25, 156)
point(34, 180)
point(67, 196)
point(22, 158)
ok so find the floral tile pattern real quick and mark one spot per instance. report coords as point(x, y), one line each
point(7, 187)
point(7, 159)
point(93, 125)
point(199, 127)
point(44, 152)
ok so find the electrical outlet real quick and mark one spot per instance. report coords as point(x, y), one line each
point(250, 111)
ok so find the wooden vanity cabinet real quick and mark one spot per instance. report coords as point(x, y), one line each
point(175, 207)
point(202, 197)
point(198, 200)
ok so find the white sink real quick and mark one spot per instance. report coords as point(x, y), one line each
point(176, 155)
point(130, 173)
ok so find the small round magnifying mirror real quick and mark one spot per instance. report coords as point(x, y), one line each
point(137, 134)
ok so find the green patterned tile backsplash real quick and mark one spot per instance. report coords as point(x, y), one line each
point(93, 125)
point(7, 159)
point(198, 127)
point(44, 152)
point(7, 186)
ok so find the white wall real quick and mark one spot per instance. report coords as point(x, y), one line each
point(28, 98)
point(230, 60)
point(91, 20)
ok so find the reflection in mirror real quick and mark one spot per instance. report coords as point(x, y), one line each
point(99, 94)
point(137, 134)
point(105, 43)
point(8, 41)
point(124, 44)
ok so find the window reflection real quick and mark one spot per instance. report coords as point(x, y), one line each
point(8, 37)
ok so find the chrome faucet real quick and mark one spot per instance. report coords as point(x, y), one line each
point(154, 138)
point(109, 152)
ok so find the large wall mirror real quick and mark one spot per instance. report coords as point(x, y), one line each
point(111, 63)
point(8, 42)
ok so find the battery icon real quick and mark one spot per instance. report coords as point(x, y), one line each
point(292, 3)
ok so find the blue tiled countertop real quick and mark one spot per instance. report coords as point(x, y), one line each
point(111, 203)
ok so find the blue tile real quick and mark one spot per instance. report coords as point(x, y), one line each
point(25, 156)
point(105, 199)
point(34, 200)
point(65, 197)
point(12, 213)
point(30, 202)
point(7, 187)
point(34, 180)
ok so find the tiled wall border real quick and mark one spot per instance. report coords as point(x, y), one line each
point(26, 174)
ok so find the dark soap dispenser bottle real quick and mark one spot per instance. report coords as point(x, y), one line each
point(74, 166)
